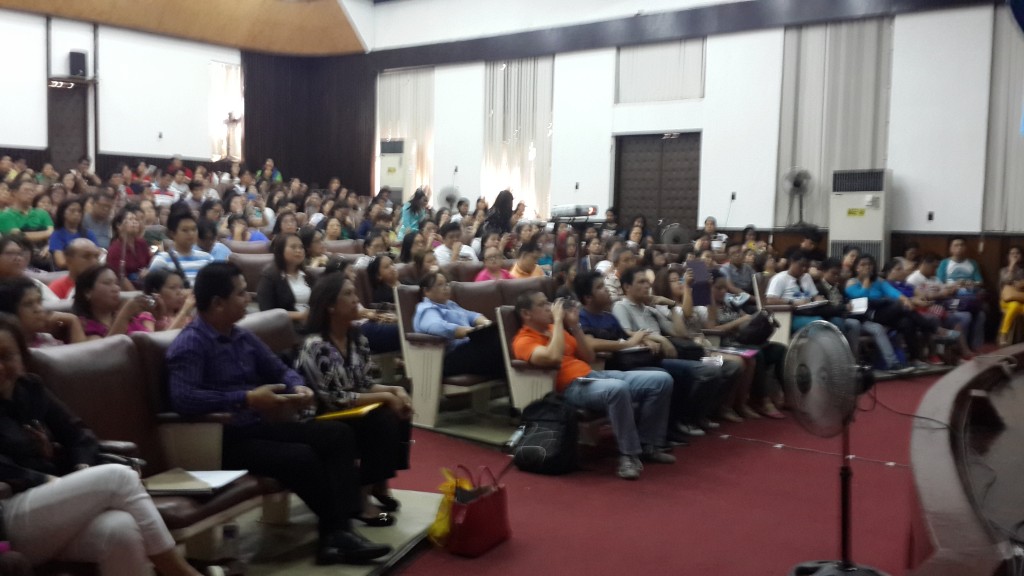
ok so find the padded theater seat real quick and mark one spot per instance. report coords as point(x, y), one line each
point(260, 247)
point(511, 289)
point(483, 297)
point(252, 266)
point(343, 246)
point(462, 271)
point(181, 512)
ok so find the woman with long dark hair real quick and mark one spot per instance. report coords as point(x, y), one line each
point(335, 361)
point(499, 217)
point(286, 284)
point(98, 305)
point(67, 226)
point(128, 255)
point(66, 505)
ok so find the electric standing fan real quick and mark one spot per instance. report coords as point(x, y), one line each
point(822, 380)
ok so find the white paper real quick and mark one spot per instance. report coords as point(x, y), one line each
point(859, 305)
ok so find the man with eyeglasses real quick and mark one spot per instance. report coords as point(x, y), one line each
point(551, 337)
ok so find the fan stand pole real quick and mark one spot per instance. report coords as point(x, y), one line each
point(845, 476)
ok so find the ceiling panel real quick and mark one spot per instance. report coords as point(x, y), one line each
point(296, 27)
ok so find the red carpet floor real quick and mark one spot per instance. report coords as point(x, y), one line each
point(734, 504)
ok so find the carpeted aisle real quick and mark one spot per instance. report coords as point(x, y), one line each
point(734, 504)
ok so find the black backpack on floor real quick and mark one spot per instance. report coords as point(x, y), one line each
point(548, 445)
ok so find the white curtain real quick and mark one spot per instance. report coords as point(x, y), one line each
point(836, 82)
point(405, 111)
point(1004, 167)
point(661, 72)
point(227, 105)
point(517, 131)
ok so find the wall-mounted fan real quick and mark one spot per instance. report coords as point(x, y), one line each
point(798, 183)
point(823, 380)
point(674, 234)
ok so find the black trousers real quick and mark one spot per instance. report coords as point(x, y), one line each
point(315, 460)
point(481, 356)
point(382, 440)
point(908, 323)
point(771, 356)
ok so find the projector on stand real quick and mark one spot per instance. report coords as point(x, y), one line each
point(573, 211)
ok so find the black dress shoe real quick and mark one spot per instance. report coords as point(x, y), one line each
point(347, 547)
point(387, 503)
point(378, 521)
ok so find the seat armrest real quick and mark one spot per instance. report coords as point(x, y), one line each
point(119, 447)
point(425, 339)
point(212, 418)
point(524, 366)
point(778, 307)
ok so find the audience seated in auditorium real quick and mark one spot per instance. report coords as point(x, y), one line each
point(335, 361)
point(493, 269)
point(215, 366)
point(623, 258)
point(451, 248)
point(831, 286)
point(958, 321)
point(82, 255)
point(97, 219)
point(66, 505)
point(239, 230)
point(14, 255)
point(383, 276)
point(286, 223)
point(717, 239)
point(269, 173)
point(372, 246)
point(285, 283)
point(33, 224)
point(526, 263)
point(739, 276)
point(595, 252)
point(174, 305)
point(499, 215)
point(313, 244)
point(768, 356)
point(438, 315)
point(795, 286)
point(1011, 293)
point(612, 245)
point(412, 213)
point(129, 255)
point(965, 274)
point(888, 307)
point(163, 193)
point(67, 225)
point(97, 302)
point(551, 337)
point(183, 255)
point(208, 241)
point(20, 297)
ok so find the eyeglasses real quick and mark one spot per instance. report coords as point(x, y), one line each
point(12, 254)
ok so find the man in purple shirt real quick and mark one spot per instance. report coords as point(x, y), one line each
point(215, 366)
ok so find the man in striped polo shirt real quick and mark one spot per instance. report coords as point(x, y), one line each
point(182, 229)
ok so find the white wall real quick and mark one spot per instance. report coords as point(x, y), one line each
point(430, 21)
point(740, 145)
point(68, 35)
point(938, 122)
point(23, 98)
point(360, 16)
point(581, 142)
point(459, 130)
point(154, 93)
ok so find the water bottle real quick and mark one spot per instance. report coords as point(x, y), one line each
point(514, 440)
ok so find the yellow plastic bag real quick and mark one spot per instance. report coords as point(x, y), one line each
point(438, 532)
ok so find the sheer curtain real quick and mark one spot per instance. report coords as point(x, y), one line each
point(517, 131)
point(661, 72)
point(227, 104)
point(405, 111)
point(836, 82)
point(1004, 167)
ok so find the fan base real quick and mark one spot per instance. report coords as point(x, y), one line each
point(833, 568)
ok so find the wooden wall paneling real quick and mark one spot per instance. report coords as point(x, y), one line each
point(317, 27)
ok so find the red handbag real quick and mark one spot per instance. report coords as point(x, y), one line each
point(479, 517)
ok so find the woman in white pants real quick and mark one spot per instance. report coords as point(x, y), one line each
point(63, 508)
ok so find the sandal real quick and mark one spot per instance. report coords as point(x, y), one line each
point(748, 412)
point(769, 410)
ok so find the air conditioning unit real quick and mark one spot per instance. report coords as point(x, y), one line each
point(393, 167)
point(859, 212)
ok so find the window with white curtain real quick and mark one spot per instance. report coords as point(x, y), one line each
point(661, 72)
point(1004, 165)
point(836, 81)
point(227, 104)
point(405, 111)
point(517, 131)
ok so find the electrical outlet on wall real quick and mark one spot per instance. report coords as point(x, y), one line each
point(931, 216)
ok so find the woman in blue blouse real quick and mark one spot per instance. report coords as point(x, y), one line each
point(335, 361)
point(67, 226)
point(439, 316)
point(889, 307)
point(412, 214)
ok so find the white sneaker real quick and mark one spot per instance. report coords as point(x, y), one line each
point(710, 425)
point(690, 430)
point(215, 571)
point(629, 467)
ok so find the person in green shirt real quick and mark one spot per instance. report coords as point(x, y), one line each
point(35, 224)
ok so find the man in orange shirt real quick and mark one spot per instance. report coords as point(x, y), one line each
point(545, 341)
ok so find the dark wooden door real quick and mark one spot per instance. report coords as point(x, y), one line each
point(658, 177)
point(68, 121)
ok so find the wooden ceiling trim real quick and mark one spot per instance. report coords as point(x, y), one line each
point(298, 28)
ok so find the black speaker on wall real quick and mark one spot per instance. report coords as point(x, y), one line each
point(77, 60)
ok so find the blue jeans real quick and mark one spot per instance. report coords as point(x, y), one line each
point(615, 392)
